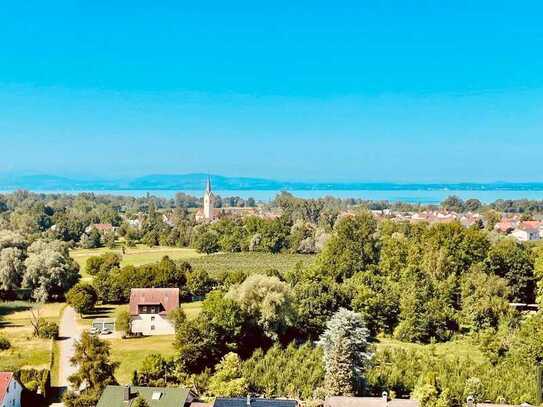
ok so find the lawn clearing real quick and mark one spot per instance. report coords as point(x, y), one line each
point(131, 352)
point(249, 263)
point(26, 350)
point(135, 256)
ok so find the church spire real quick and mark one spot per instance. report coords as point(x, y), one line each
point(208, 184)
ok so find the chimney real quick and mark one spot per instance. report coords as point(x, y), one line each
point(470, 401)
point(126, 393)
point(248, 400)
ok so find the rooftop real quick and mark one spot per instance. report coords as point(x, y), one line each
point(113, 396)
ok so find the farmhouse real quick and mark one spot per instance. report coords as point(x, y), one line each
point(121, 396)
point(149, 308)
point(10, 390)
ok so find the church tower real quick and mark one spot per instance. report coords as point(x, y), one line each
point(209, 201)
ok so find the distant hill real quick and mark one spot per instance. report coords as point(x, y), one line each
point(196, 182)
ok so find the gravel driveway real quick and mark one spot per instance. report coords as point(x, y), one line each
point(69, 332)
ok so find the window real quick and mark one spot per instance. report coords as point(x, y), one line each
point(152, 318)
point(144, 309)
point(152, 327)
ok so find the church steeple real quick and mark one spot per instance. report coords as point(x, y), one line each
point(209, 201)
point(208, 184)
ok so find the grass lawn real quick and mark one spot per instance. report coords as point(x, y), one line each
point(26, 350)
point(250, 262)
point(459, 348)
point(135, 256)
point(130, 353)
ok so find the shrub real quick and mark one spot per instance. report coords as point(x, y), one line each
point(4, 343)
point(48, 330)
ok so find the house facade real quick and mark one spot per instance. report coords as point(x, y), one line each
point(149, 308)
point(10, 390)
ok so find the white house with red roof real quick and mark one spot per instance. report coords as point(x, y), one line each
point(149, 308)
point(527, 231)
point(10, 390)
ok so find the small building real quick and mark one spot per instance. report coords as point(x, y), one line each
point(253, 402)
point(10, 390)
point(384, 401)
point(122, 396)
point(104, 323)
point(149, 308)
point(527, 231)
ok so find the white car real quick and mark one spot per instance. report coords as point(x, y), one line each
point(94, 331)
point(105, 331)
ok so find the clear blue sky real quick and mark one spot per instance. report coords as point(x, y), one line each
point(346, 90)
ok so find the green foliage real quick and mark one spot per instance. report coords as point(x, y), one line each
point(484, 299)
point(91, 356)
point(4, 343)
point(155, 371)
point(123, 321)
point(268, 301)
point(48, 329)
point(228, 380)
point(82, 297)
point(352, 248)
point(104, 263)
point(207, 242)
point(346, 353)
point(515, 263)
point(139, 402)
point(292, 372)
point(199, 283)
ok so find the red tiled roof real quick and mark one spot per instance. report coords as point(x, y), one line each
point(168, 297)
point(5, 380)
point(530, 225)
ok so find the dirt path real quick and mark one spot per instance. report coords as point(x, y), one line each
point(69, 332)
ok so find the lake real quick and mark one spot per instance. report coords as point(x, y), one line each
point(432, 196)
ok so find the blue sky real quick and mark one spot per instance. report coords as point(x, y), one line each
point(368, 91)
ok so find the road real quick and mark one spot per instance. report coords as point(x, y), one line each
point(69, 332)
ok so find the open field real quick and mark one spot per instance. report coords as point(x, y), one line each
point(458, 348)
point(26, 350)
point(131, 352)
point(135, 256)
point(250, 262)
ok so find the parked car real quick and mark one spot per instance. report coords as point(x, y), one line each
point(105, 331)
point(94, 331)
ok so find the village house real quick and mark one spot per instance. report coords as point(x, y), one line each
point(527, 231)
point(10, 390)
point(384, 401)
point(122, 396)
point(149, 308)
point(253, 402)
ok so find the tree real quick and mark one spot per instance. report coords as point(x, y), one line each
point(207, 242)
point(228, 380)
point(352, 247)
point(512, 261)
point(104, 263)
point(484, 299)
point(11, 268)
point(94, 369)
point(50, 271)
point(453, 204)
point(346, 352)
point(123, 322)
point(199, 283)
point(268, 300)
point(82, 297)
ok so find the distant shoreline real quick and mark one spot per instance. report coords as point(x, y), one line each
point(413, 196)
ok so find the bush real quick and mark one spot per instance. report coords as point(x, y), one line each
point(48, 330)
point(82, 297)
point(4, 343)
